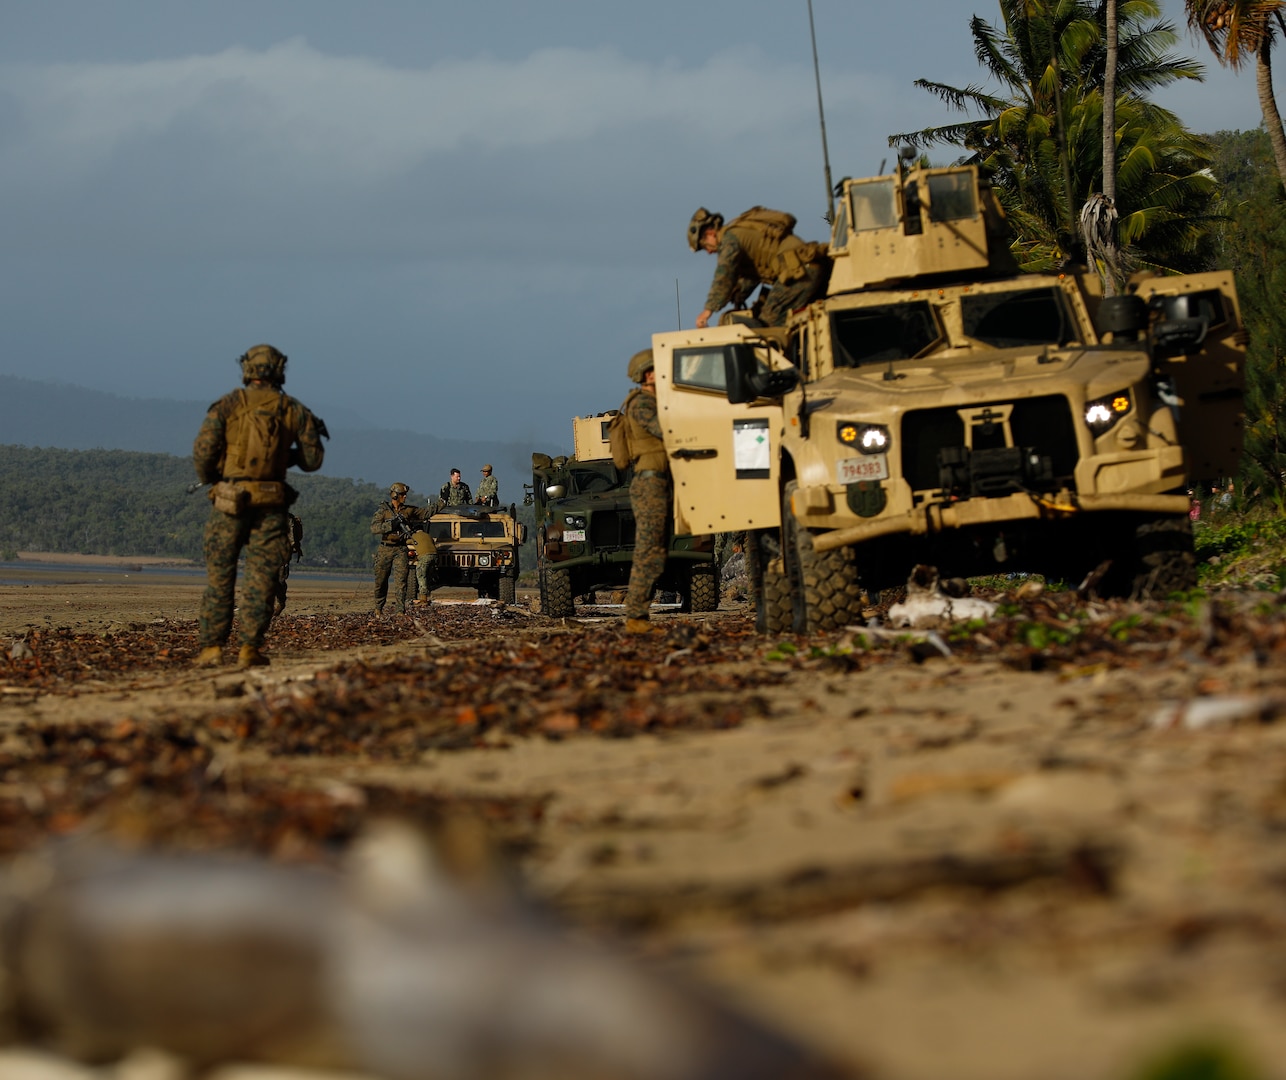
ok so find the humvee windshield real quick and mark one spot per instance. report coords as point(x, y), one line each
point(467, 530)
point(877, 335)
point(588, 481)
point(1023, 317)
point(482, 530)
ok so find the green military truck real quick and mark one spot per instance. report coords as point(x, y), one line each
point(585, 530)
point(938, 406)
point(476, 547)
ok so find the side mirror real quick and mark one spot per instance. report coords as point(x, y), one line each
point(1174, 336)
point(555, 491)
point(522, 533)
point(748, 380)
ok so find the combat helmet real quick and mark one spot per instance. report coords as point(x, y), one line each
point(640, 363)
point(263, 362)
point(701, 221)
point(398, 489)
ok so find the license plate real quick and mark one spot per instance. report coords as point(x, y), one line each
point(572, 535)
point(868, 467)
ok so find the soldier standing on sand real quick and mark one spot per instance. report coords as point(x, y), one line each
point(488, 489)
point(392, 524)
point(455, 492)
point(758, 247)
point(248, 440)
point(649, 492)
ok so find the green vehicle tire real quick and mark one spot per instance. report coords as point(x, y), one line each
point(702, 592)
point(556, 599)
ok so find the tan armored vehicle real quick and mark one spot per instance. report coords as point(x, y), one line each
point(476, 547)
point(939, 407)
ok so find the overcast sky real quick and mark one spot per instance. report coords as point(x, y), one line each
point(456, 216)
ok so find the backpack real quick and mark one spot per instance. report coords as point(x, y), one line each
point(618, 436)
point(774, 224)
point(258, 445)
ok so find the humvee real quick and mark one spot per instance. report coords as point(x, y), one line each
point(477, 547)
point(585, 538)
point(938, 406)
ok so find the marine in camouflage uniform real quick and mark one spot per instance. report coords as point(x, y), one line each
point(488, 489)
point(649, 493)
point(296, 549)
point(455, 492)
point(248, 440)
point(390, 556)
point(759, 247)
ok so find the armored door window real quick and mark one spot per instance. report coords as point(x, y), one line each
point(951, 196)
point(1207, 304)
point(874, 205)
point(702, 369)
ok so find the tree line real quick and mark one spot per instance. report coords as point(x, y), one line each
point(118, 502)
point(121, 502)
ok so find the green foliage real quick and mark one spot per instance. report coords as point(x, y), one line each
point(116, 502)
point(1242, 549)
point(1252, 243)
point(1039, 139)
point(1199, 1059)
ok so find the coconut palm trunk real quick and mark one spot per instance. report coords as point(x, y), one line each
point(1268, 104)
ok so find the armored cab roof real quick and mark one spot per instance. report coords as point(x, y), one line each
point(921, 223)
point(590, 436)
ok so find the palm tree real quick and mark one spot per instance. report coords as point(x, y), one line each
point(1236, 31)
point(1104, 212)
point(1040, 138)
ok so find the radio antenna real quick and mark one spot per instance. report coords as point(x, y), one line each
point(821, 114)
point(678, 311)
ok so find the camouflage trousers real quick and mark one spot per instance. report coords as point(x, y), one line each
point(391, 560)
point(783, 299)
point(650, 498)
point(264, 533)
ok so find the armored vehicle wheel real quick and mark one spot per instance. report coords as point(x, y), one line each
point(768, 583)
point(832, 595)
point(1163, 561)
point(508, 589)
point(776, 614)
point(556, 598)
point(702, 589)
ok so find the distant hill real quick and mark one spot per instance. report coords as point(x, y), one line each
point(46, 414)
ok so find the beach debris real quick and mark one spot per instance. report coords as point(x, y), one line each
point(390, 965)
point(932, 603)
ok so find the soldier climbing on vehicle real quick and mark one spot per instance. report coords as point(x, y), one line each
point(759, 247)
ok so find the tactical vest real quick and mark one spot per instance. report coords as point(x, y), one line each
point(258, 444)
point(761, 232)
point(648, 450)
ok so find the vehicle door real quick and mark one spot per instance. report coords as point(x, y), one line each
point(724, 458)
point(1210, 381)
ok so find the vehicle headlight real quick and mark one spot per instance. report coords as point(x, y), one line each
point(575, 521)
point(484, 560)
point(1101, 414)
point(865, 438)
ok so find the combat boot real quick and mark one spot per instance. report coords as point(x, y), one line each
point(640, 626)
point(250, 656)
point(210, 656)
